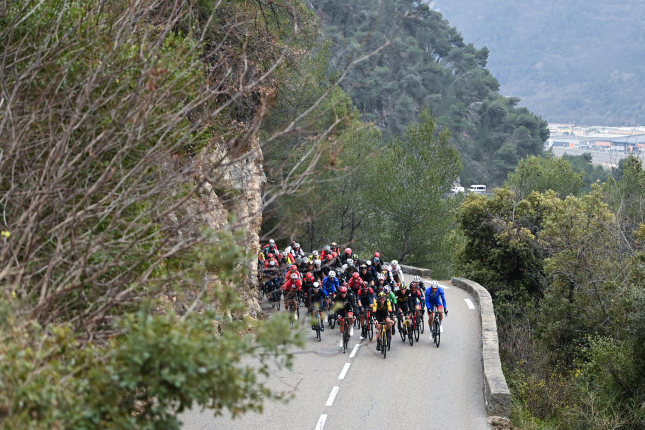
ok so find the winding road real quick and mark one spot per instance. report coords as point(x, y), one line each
point(420, 386)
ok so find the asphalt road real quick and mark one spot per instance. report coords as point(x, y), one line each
point(418, 386)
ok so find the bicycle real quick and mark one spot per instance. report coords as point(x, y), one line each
point(331, 316)
point(405, 329)
point(318, 324)
point(274, 296)
point(368, 326)
point(293, 309)
point(417, 324)
point(385, 340)
point(436, 327)
point(345, 333)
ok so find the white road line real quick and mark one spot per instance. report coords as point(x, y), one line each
point(355, 351)
point(470, 304)
point(344, 371)
point(332, 396)
point(321, 422)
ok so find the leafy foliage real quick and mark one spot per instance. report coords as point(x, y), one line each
point(427, 63)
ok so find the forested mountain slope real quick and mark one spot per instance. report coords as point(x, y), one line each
point(428, 63)
point(575, 61)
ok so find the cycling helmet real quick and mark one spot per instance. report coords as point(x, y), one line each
point(377, 254)
point(394, 263)
point(434, 284)
point(387, 289)
point(363, 266)
point(355, 275)
point(279, 255)
point(342, 290)
point(297, 246)
point(294, 276)
point(317, 262)
point(272, 263)
point(382, 295)
point(309, 276)
point(350, 262)
point(330, 257)
point(381, 277)
point(294, 267)
point(271, 242)
point(270, 255)
point(368, 262)
point(348, 251)
point(332, 274)
point(403, 286)
point(316, 285)
point(327, 248)
point(298, 260)
point(377, 260)
point(417, 279)
point(315, 253)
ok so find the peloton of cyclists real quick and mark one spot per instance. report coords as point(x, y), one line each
point(341, 283)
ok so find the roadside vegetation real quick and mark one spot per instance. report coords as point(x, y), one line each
point(565, 268)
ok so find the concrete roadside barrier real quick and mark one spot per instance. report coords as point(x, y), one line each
point(496, 392)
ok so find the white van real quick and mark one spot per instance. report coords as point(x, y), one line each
point(477, 189)
point(457, 190)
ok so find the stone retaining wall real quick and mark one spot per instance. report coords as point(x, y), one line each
point(496, 392)
point(415, 271)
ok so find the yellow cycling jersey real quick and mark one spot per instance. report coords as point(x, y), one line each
point(378, 307)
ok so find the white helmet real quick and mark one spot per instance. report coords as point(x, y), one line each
point(350, 261)
point(272, 263)
point(368, 262)
point(332, 274)
point(327, 248)
point(380, 276)
point(386, 289)
point(394, 263)
point(434, 284)
point(272, 242)
point(315, 253)
point(297, 246)
point(316, 284)
point(417, 278)
point(317, 262)
point(294, 276)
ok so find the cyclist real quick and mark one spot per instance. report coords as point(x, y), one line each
point(330, 285)
point(328, 264)
point(270, 248)
point(348, 270)
point(325, 252)
point(371, 269)
point(307, 284)
point(345, 303)
point(405, 302)
point(365, 302)
point(293, 270)
point(435, 297)
point(366, 275)
point(396, 272)
point(347, 255)
point(377, 262)
point(318, 272)
point(291, 288)
point(355, 282)
point(418, 287)
point(317, 299)
point(382, 312)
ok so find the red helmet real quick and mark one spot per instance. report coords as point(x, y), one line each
point(330, 257)
point(342, 289)
point(355, 275)
point(294, 267)
point(377, 254)
point(334, 254)
point(309, 275)
point(270, 255)
point(348, 250)
point(279, 255)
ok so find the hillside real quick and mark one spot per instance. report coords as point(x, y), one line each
point(428, 63)
point(577, 61)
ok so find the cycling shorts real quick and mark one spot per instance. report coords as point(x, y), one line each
point(439, 309)
point(343, 312)
point(403, 306)
point(381, 316)
point(366, 301)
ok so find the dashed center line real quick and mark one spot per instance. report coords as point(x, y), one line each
point(355, 351)
point(321, 422)
point(470, 304)
point(344, 371)
point(332, 396)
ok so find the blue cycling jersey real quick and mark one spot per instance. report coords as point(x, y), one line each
point(330, 285)
point(436, 298)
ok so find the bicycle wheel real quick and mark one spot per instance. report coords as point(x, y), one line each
point(416, 330)
point(389, 339)
point(421, 324)
point(346, 338)
point(332, 321)
point(437, 333)
point(402, 331)
point(370, 329)
point(383, 341)
point(410, 334)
